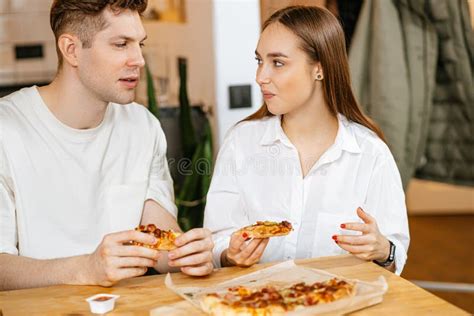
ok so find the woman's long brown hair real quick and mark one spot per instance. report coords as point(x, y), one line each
point(322, 39)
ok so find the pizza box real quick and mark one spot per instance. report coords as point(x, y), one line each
point(285, 273)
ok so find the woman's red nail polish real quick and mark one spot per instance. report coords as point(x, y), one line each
point(245, 235)
point(343, 225)
point(334, 237)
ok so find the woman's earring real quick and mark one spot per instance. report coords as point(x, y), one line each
point(319, 77)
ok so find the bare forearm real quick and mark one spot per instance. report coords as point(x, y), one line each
point(154, 213)
point(162, 264)
point(224, 261)
point(193, 255)
point(17, 272)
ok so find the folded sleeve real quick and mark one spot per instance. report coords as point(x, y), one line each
point(386, 202)
point(8, 226)
point(225, 210)
point(160, 185)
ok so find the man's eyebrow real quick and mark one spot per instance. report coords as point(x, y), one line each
point(128, 38)
point(275, 54)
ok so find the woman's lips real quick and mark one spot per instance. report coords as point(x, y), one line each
point(267, 95)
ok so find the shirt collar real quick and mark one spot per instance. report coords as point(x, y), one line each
point(345, 139)
point(273, 132)
point(345, 136)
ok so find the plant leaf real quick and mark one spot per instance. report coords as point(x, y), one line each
point(150, 90)
point(188, 135)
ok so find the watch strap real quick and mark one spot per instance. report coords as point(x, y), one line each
point(391, 256)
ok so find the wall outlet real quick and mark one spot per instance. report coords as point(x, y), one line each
point(240, 96)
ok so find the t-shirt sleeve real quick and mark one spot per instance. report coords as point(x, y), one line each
point(160, 185)
point(386, 202)
point(8, 227)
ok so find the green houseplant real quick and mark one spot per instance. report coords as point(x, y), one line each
point(191, 191)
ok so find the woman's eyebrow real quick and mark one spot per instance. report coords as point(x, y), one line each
point(274, 54)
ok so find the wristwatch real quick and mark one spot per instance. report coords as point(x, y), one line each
point(391, 256)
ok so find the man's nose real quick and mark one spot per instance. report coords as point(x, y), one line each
point(136, 58)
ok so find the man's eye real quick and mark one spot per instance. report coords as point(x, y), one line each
point(120, 45)
point(142, 44)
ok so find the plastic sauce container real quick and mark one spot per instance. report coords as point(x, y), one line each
point(102, 303)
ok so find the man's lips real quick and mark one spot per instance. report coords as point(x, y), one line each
point(129, 82)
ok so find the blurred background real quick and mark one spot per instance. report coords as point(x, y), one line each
point(412, 69)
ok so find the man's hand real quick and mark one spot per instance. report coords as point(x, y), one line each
point(113, 260)
point(194, 253)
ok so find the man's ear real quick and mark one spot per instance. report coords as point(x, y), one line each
point(69, 45)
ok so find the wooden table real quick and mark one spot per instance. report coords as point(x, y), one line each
point(140, 295)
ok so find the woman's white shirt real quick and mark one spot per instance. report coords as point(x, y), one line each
point(258, 177)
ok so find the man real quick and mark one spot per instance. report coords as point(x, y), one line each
point(81, 166)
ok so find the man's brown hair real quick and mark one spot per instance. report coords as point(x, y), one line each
point(83, 18)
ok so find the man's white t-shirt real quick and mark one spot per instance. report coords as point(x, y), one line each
point(63, 189)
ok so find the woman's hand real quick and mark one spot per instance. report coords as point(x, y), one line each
point(371, 245)
point(243, 254)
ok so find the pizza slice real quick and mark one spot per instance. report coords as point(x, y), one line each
point(266, 229)
point(275, 300)
point(318, 293)
point(165, 238)
point(241, 300)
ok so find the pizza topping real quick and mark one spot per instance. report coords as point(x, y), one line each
point(266, 229)
point(165, 238)
point(266, 223)
point(287, 298)
point(152, 230)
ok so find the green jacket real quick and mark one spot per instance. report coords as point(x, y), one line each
point(404, 82)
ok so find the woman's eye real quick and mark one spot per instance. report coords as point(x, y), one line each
point(259, 61)
point(142, 44)
point(277, 63)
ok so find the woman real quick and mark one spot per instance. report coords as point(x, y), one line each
point(308, 156)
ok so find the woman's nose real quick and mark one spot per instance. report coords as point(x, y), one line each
point(262, 76)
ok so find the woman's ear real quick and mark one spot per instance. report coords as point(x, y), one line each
point(69, 45)
point(318, 72)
